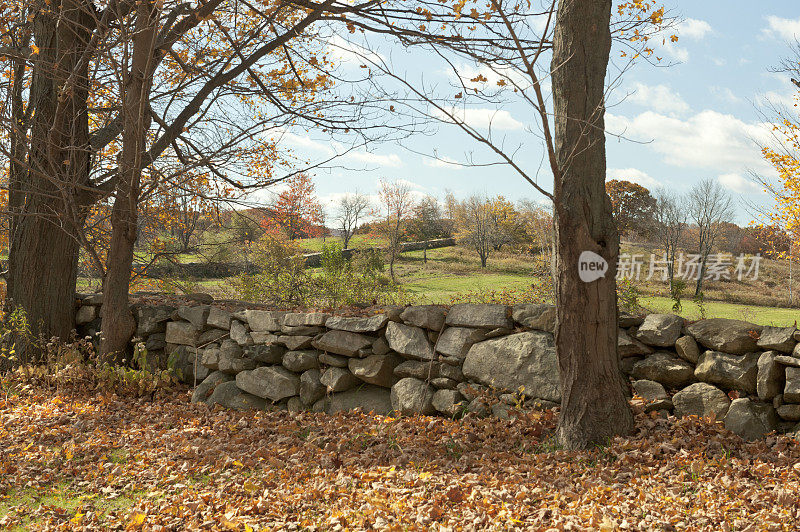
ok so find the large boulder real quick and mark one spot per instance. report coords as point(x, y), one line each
point(456, 341)
point(197, 316)
point(449, 402)
point(239, 333)
point(300, 361)
point(660, 330)
point(182, 333)
point(409, 341)
point(770, 377)
point(777, 339)
point(654, 395)
point(537, 317)
point(524, 360)
point(305, 319)
point(375, 369)
point(630, 347)
point(264, 320)
point(426, 316)
point(187, 365)
point(229, 395)
point(211, 357)
point(413, 396)
point(204, 390)
point(338, 379)
point(220, 319)
point(370, 399)
point(294, 343)
point(343, 343)
point(483, 316)
point(270, 382)
point(417, 369)
point(265, 353)
point(732, 372)
point(701, 399)
point(751, 420)
point(791, 393)
point(357, 324)
point(687, 349)
point(726, 335)
point(151, 320)
point(311, 389)
point(665, 368)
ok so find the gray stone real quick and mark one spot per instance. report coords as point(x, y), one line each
point(425, 316)
point(665, 368)
point(294, 405)
point(479, 407)
point(750, 420)
point(266, 354)
point(264, 320)
point(221, 319)
point(230, 349)
point(524, 361)
point(471, 390)
point(417, 369)
point(494, 333)
point(229, 395)
point(483, 316)
point(375, 369)
point(788, 361)
point(653, 393)
point(156, 341)
point(726, 335)
point(299, 361)
point(93, 299)
point(630, 347)
point(796, 350)
point(85, 314)
point(626, 364)
point(770, 376)
point(186, 365)
point(777, 339)
point(197, 316)
point(443, 383)
point(381, 346)
point(451, 372)
point(456, 341)
point(311, 389)
point(449, 402)
point(789, 412)
point(302, 330)
point(629, 320)
point(358, 324)
point(263, 337)
point(229, 363)
point(537, 317)
point(701, 399)
point(791, 393)
point(342, 343)
point(182, 333)
point(200, 297)
point(367, 398)
point(687, 349)
point(204, 390)
point(294, 343)
point(732, 372)
point(333, 360)
point(239, 333)
point(413, 396)
point(338, 379)
point(660, 330)
point(308, 319)
point(151, 320)
point(211, 336)
point(409, 341)
point(270, 382)
point(211, 357)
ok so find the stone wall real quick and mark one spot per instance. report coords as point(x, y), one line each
point(485, 359)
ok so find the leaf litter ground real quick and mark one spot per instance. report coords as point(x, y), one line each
point(77, 461)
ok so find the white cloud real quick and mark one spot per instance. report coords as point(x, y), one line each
point(376, 159)
point(634, 175)
point(785, 28)
point(658, 97)
point(343, 51)
point(705, 140)
point(725, 94)
point(343, 153)
point(482, 118)
point(693, 28)
point(739, 184)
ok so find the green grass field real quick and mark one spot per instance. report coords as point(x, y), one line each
point(718, 309)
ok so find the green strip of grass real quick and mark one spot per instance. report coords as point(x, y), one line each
point(716, 309)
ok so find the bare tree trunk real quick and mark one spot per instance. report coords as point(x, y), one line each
point(594, 407)
point(118, 321)
point(49, 199)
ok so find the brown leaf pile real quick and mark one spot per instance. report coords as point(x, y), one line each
point(184, 467)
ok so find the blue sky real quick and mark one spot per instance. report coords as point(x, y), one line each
point(698, 118)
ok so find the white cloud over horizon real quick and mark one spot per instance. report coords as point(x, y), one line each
point(740, 185)
point(481, 118)
point(786, 29)
point(660, 98)
point(634, 175)
point(693, 28)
